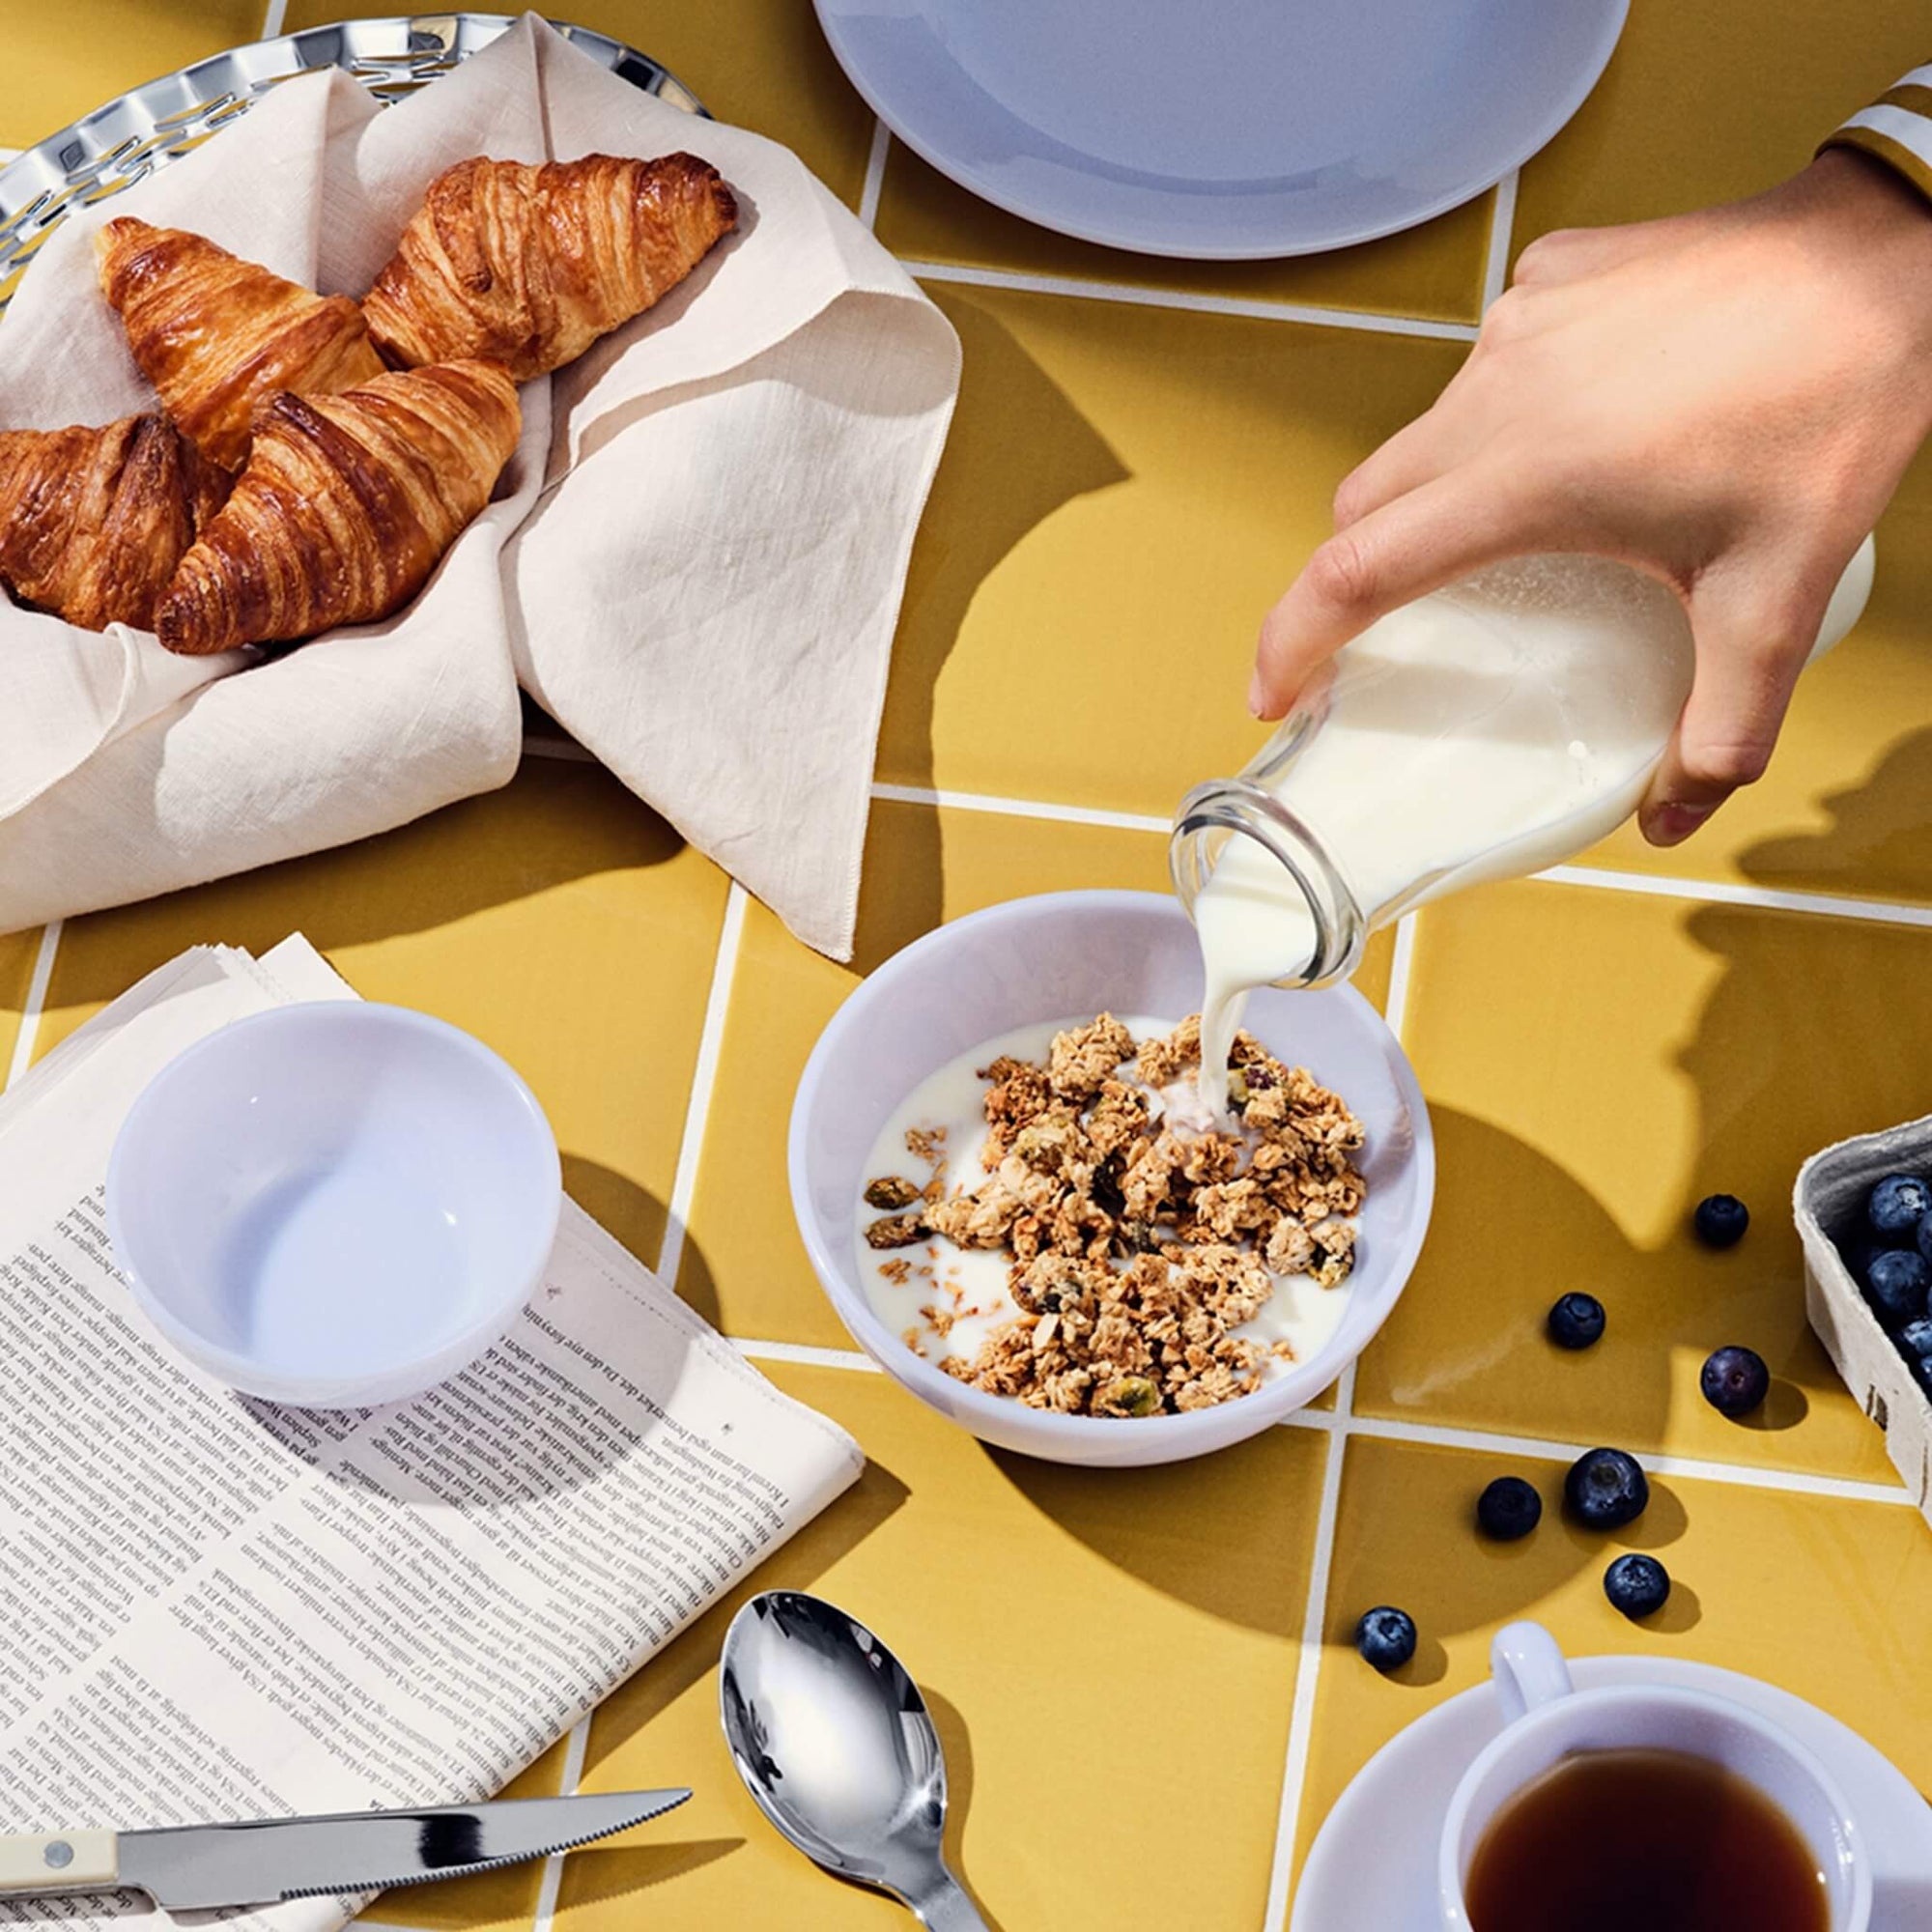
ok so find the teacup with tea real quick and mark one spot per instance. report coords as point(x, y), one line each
point(1672, 1809)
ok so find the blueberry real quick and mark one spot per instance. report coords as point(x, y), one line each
point(1577, 1321)
point(1721, 1220)
point(1605, 1488)
point(1896, 1284)
point(1735, 1382)
point(1923, 1238)
point(1386, 1637)
point(1897, 1205)
point(1639, 1586)
point(1509, 1509)
point(1916, 1338)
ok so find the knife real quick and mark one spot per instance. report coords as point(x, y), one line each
point(256, 1860)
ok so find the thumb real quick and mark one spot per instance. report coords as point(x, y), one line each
point(1748, 657)
point(1452, 525)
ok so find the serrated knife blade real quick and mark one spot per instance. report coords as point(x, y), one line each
point(257, 1860)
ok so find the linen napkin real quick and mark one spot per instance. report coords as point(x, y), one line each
point(694, 562)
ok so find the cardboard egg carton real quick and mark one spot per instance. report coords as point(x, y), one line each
point(1828, 1201)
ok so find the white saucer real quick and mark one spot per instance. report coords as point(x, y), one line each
point(1373, 1867)
point(1224, 129)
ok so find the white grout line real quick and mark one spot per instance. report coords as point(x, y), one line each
point(273, 17)
point(1599, 878)
point(1343, 1418)
point(875, 174)
point(1022, 808)
point(1152, 298)
point(1738, 1475)
point(37, 998)
point(1308, 1662)
point(540, 746)
point(1502, 225)
point(1722, 892)
point(553, 1870)
point(811, 1358)
point(709, 1043)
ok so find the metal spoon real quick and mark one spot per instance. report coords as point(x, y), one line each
point(833, 1742)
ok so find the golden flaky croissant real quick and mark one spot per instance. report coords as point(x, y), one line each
point(216, 335)
point(530, 265)
point(346, 506)
point(93, 521)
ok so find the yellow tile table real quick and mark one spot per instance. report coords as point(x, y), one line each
point(1144, 1681)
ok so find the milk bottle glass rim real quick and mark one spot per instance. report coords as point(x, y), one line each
point(1548, 1721)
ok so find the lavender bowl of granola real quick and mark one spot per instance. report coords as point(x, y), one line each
point(1022, 1210)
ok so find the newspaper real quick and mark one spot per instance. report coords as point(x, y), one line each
point(215, 1607)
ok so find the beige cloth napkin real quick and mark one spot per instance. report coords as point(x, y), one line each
point(694, 560)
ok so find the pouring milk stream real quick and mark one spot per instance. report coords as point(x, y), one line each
point(1485, 731)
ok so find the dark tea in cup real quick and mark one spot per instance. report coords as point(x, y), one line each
point(1610, 1840)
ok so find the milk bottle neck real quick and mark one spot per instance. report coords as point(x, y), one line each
point(1223, 810)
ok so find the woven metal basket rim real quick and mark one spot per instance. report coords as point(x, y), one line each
point(128, 138)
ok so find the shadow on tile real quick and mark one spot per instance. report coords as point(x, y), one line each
point(554, 824)
point(1186, 1528)
point(634, 1217)
point(600, 1874)
point(673, 1672)
point(957, 1744)
point(1876, 843)
point(970, 529)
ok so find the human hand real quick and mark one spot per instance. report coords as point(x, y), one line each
point(1725, 400)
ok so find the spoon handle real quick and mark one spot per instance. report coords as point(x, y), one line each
point(945, 1908)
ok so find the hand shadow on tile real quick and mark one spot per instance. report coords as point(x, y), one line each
point(692, 1656)
point(956, 1741)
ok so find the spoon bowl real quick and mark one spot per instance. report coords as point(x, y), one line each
point(838, 1750)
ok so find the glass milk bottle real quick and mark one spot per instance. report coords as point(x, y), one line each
point(1487, 730)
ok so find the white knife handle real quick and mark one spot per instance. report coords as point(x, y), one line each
point(59, 1861)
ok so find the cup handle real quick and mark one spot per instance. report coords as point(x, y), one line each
point(1528, 1668)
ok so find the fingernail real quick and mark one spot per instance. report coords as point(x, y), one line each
point(1258, 696)
point(1672, 824)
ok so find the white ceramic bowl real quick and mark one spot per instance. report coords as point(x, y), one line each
point(334, 1204)
point(1060, 956)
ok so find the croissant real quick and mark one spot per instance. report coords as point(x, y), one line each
point(528, 265)
point(93, 521)
point(346, 506)
point(216, 335)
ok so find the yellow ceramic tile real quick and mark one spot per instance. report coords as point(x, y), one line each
point(1813, 1594)
point(1134, 1694)
point(1707, 104)
point(491, 1900)
point(744, 1264)
point(63, 62)
point(17, 953)
point(1596, 1062)
point(1843, 807)
point(1125, 493)
point(559, 919)
point(762, 63)
point(1435, 270)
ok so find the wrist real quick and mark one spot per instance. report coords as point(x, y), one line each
point(1872, 228)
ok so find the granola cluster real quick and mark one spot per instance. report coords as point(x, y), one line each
point(1138, 1246)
